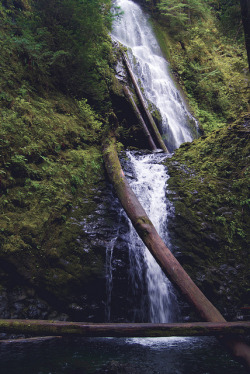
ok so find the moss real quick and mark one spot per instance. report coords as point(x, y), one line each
point(141, 226)
point(210, 66)
point(50, 164)
point(209, 186)
point(110, 152)
point(163, 38)
point(116, 87)
point(143, 220)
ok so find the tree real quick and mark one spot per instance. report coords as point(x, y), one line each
point(75, 36)
point(181, 13)
point(245, 13)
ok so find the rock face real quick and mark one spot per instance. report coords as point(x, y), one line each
point(71, 283)
point(209, 187)
point(60, 217)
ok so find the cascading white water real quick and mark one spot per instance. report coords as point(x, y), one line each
point(109, 277)
point(134, 31)
point(149, 184)
point(150, 284)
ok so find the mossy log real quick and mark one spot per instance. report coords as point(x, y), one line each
point(123, 330)
point(170, 266)
point(140, 119)
point(151, 121)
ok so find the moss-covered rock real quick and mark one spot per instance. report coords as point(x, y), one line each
point(208, 58)
point(209, 187)
point(51, 187)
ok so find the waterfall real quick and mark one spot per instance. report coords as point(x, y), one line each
point(154, 299)
point(109, 277)
point(149, 184)
point(134, 31)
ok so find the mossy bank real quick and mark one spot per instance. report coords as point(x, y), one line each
point(52, 180)
point(204, 43)
point(209, 186)
point(58, 214)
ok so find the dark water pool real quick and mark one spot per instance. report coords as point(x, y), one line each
point(123, 356)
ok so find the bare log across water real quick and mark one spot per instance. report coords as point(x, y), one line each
point(144, 105)
point(83, 329)
point(171, 267)
point(140, 119)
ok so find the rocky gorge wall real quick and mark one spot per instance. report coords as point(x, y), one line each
point(209, 186)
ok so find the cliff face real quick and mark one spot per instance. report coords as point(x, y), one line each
point(204, 43)
point(53, 193)
point(209, 186)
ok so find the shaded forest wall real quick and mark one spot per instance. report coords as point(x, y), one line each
point(204, 41)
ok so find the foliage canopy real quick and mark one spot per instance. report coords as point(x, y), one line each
point(66, 43)
point(205, 44)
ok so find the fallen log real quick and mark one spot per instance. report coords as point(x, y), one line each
point(170, 266)
point(144, 105)
point(151, 239)
point(122, 330)
point(140, 119)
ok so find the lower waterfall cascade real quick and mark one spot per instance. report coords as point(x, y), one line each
point(149, 184)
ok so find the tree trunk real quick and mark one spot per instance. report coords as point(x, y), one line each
point(245, 14)
point(140, 119)
point(62, 328)
point(151, 121)
point(162, 254)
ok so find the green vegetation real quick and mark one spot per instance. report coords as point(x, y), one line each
point(61, 43)
point(210, 189)
point(55, 68)
point(204, 41)
point(210, 178)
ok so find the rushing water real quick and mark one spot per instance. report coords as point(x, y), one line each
point(109, 277)
point(149, 184)
point(134, 31)
point(148, 282)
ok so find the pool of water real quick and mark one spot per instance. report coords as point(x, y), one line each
point(112, 355)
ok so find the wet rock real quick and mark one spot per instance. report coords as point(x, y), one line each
point(73, 284)
point(17, 303)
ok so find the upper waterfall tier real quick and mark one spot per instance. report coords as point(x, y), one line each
point(134, 31)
